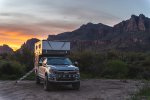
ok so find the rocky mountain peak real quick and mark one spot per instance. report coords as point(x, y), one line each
point(5, 49)
point(142, 23)
point(91, 25)
point(133, 17)
point(88, 25)
point(30, 44)
point(134, 24)
point(142, 16)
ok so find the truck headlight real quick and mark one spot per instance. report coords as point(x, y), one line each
point(77, 71)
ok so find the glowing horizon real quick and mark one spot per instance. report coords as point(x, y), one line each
point(16, 43)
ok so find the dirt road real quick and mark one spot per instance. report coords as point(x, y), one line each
point(94, 89)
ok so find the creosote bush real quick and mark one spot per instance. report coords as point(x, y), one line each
point(116, 69)
point(131, 65)
point(113, 64)
point(11, 69)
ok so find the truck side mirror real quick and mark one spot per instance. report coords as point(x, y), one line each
point(76, 63)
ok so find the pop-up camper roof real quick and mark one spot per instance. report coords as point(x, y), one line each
point(45, 47)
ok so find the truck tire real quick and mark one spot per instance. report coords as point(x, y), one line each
point(37, 79)
point(76, 86)
point(47, 85)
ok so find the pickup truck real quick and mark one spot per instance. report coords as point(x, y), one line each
point(56, 69)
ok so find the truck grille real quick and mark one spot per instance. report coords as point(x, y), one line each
point(69, 79)
point(65, 72)
point(65, 75)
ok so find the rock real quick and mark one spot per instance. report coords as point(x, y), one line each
point(141, 24)
point(29, 44)
point(132, 24)
point(5, 49)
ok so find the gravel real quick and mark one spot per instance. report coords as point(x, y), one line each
point(92, 89)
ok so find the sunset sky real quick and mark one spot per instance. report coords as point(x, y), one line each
point(24, 19)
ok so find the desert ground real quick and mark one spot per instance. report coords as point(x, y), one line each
point(91, 89)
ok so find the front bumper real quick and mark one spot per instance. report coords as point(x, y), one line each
point(63, 82)
point(67, 79)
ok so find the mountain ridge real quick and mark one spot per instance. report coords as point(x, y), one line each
point(86, 29)
point(134, 24)
point(132, 34)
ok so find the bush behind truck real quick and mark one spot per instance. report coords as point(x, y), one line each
point(53, 67)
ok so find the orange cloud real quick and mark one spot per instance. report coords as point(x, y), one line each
point(15, 39)
point(15, 34)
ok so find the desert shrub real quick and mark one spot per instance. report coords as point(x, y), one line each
point(112, 55)
point(13, 66)
point(0, 57)
point(132, 56)
point(116, 69)
point(111, 64)
point(140, 68)
point(25, 57)
point(11, 69)
point(89, 62)
point(145, 65)
point(135, 71)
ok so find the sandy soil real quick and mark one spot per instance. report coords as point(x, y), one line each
point(93, 89)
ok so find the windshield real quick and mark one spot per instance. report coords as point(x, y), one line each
point(58, 61)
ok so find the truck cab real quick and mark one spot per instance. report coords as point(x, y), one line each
point(53, 67)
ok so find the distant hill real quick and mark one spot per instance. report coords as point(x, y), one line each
point(5, 49)
point(89, 31)
point(30, 44)
point(129, 35)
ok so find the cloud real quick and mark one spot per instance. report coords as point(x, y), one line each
point(75, 11)
point(39, 18)
point(83, 15)
point(49, 26)
point(14, 14)
point(18, 33)
point(14, 41)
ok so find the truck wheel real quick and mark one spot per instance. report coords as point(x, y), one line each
point(47, 85)
point(76, 86)
point(37, 79)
